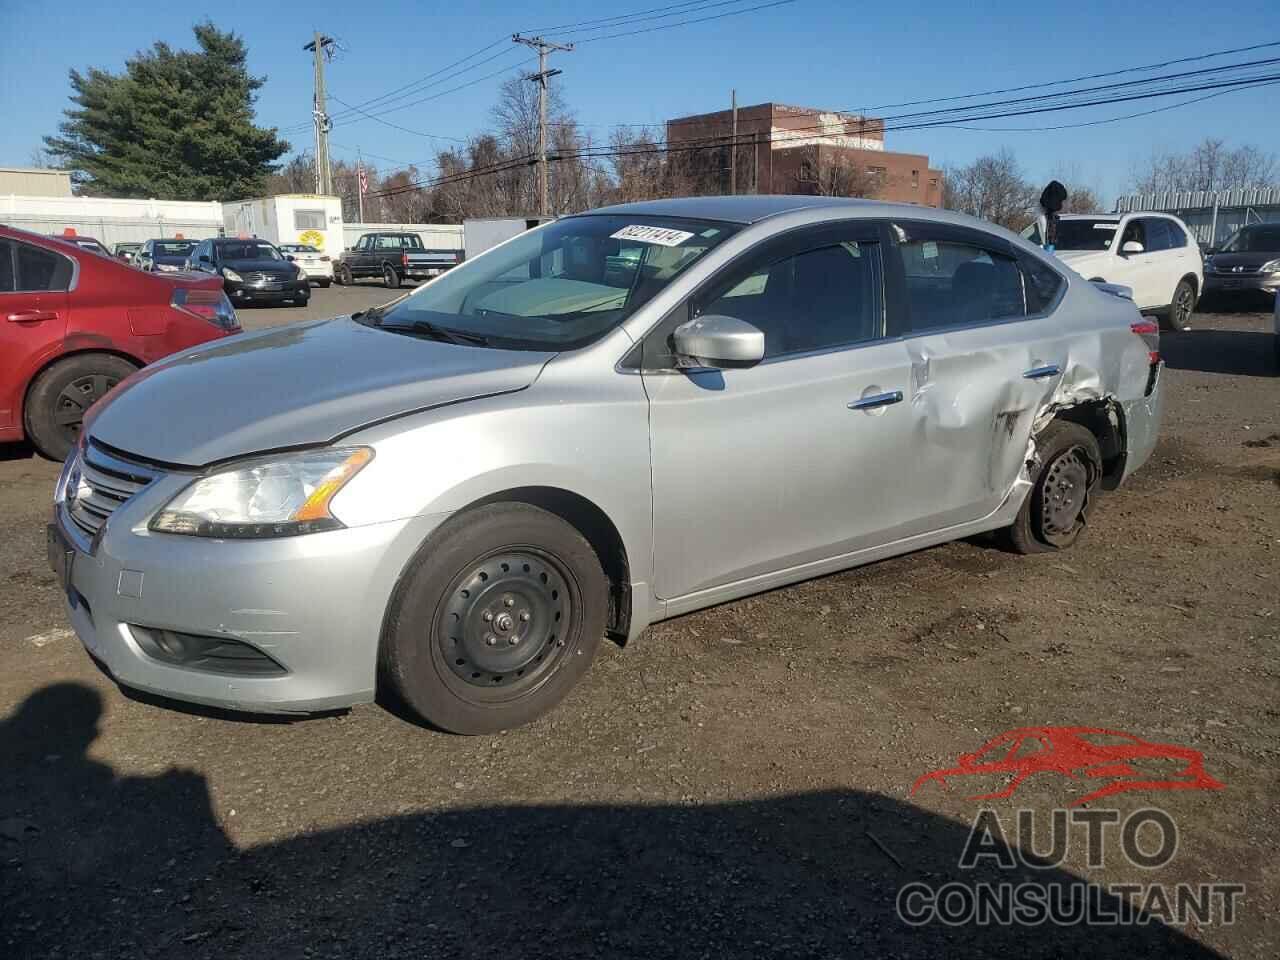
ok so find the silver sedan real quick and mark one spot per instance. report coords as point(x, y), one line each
point(615, 418)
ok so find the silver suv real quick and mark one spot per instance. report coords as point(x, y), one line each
point(615, 418)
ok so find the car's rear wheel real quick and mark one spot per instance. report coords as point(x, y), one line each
point(496, 619)
point(390, 279)
point(1063, 486)
point(60, 397)
point(1182, 306)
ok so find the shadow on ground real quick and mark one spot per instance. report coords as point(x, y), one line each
point(99, 865)
point(1237, 352)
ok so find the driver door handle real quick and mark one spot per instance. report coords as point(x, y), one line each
point(1039, 373)
point(32, 316)
point(876, 400)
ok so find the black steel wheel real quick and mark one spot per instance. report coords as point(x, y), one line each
point(390, 279)
point(1054, 514)
point(495, 620)
point(60, 397)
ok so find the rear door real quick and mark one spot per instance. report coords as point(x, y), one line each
point(796, 459)
point(982, 365)
point(33, 316)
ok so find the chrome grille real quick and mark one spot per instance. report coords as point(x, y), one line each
point(99, 483)
point(264, 279)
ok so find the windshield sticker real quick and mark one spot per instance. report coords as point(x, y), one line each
point(929, 250)
point(1105, 226)
point(662, 236)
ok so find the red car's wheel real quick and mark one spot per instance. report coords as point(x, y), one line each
point(61, 395)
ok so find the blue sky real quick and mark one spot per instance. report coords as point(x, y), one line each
point(824, 53)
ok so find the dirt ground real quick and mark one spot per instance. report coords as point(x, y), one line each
point(735, 783)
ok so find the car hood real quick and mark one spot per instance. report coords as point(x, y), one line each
point(1078, 259)
point(300, 385)
point(175, 258)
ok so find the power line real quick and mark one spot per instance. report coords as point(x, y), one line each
point(627, 21)
point(388, 123)
point(1223, 86)
point(685, 23)
point(621, 16)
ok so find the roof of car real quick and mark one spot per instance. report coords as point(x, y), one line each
point(1091, 216)
point(752, 209)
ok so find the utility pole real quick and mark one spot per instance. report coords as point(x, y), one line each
point(544, 47)
point(361, 181)
point(320, 46)
point(733, 152)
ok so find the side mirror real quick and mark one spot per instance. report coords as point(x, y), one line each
point(1132, 246)
point(289, 257)
point(719, 341)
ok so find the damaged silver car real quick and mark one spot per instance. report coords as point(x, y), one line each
point(615, 418)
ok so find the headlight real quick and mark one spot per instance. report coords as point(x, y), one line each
point(232, 275)
point(1271, 266)
point(272, 497)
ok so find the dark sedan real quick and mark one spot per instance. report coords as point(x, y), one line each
point(1247, 263)
point(252, 271)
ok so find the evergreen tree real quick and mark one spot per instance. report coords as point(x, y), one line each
point(176, 125)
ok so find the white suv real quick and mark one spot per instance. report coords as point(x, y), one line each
point(1151, 253)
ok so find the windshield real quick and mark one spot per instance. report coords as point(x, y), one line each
point(1086, 234)
point(1254, 240)
point(561, 286)
point(249, 251)
point(174, 248)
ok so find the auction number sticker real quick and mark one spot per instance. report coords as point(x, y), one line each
point(663, 236)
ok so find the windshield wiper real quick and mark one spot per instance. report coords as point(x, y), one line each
point(436, 332)
point(371, 317)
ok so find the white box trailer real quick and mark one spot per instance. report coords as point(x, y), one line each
point(288, 218)
point(481, 233)
point(435, 236)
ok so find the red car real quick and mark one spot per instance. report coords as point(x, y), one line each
point(73, 323)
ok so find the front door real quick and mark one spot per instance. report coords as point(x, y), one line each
point(33, 316)
point(798, 458)
point(1141, 271)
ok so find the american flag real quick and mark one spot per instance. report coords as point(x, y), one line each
point(364, 179)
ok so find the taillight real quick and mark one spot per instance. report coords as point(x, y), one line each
point(1149, 331)
point(404, 260)
point(209, 305)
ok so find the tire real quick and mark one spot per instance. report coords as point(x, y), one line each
point(59, 397)
point(1055, 511)
point(301, 301)
point(390, 279)
point(342, 276)
point(452, 649)
point(1181, 307)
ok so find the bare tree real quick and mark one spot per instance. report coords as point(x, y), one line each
point(832, 172)
point(991, 188)
point(1210, 165)
point(296, 176)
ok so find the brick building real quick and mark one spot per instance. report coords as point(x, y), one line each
point(784, 149)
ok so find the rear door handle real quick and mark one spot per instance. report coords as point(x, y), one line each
point(1039, 373)
point(32, 316)
point(876, 400)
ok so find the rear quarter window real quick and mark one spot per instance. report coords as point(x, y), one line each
point(1042, 284)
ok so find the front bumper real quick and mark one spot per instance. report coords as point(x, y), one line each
point(314, 604)
point(299, 289)
point(1241, 282)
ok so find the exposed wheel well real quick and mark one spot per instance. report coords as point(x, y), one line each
point(54, 361)
point(594, 524)
point(1105, 420)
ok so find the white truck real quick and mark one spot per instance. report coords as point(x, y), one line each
point(303, 218)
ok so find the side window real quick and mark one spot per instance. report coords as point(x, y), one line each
point(308, 220)
point(388, 243)
point(1134, 231)
point(41, 269)
point(952, 284)
point(829, 294)
point(6, 267)
point(1042, 284)
point(1157, 235)
point(1177, 237)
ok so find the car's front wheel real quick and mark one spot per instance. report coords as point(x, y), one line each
point(342, 276)
point(499, 615)
point(61, 396)
point(1069, 466)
